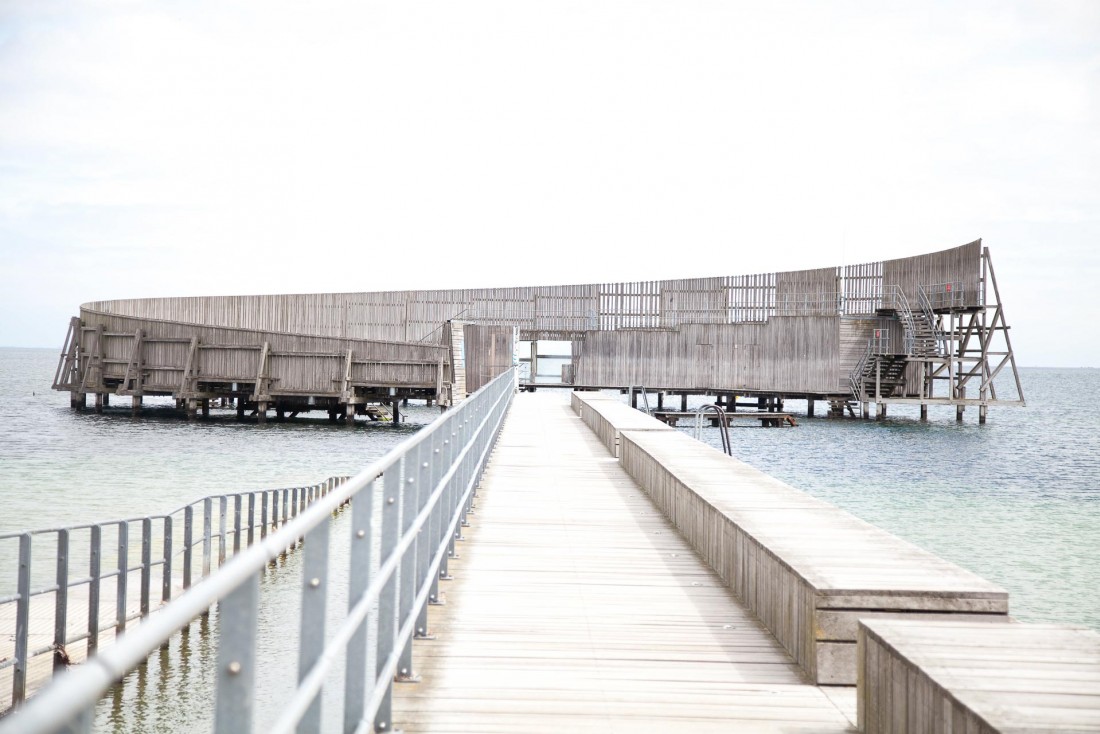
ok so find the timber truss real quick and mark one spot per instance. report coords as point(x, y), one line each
point(951, 351)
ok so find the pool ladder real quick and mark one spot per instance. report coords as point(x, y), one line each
point(723, 425)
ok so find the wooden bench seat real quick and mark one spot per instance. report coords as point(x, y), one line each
point(955, 676)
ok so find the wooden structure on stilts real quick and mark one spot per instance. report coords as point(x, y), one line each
point(923, 330)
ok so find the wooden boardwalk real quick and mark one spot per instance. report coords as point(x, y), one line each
point(576, 606)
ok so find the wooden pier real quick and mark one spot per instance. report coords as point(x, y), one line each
point(767, 419)
point(923, 330)
point(576, 606)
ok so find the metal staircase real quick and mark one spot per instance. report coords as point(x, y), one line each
point(880, 372)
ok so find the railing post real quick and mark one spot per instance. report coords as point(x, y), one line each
point(236, 673)
point(251, 517)
point(426, 544)
point(146, 563)
point(439, 514)
point(236, 524)
point(120, 587)
point(207, 511)
point(188, 543)
point(410, 507)
point(166, 576)
point(286, 501)
point(311, 639)
point(355, 680)
point(387, 603)
point(263, 514)
point(223, 509)
point(95, 554)
point(61, 602)
point(22, 621)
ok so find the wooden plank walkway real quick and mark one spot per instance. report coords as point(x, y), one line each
point(576, 606)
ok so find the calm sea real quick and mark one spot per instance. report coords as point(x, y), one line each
point(1016, 501)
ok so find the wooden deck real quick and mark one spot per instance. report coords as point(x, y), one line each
point(576, 606)
point(961, 676)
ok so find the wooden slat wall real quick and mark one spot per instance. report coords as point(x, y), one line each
point(489, 351)
point(701, 333)
point(807, 292)
point(862, 288)
point(792, 354)
point(959, 264)
point(297, 364)
point(549, 312)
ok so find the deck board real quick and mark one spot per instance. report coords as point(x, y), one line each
point(577, 605)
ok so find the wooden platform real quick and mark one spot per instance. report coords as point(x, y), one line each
point(806, 568)
point(958, 676)
point(767, 420)
point(577, 607)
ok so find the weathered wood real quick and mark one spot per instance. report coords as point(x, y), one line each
point(790, 556)
point(577, 607)
point(965, 676)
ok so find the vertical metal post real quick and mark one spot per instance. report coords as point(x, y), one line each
point(251, 517)
point(311, 640)
point(95, 553)
point(207, 511)
point(123, 573)
point(236, 673)
point(356, 680)
point(410, 507)
point(61, 599)
point(294, 502)
point(426, 544)
point(22, 622)
point(263, 514)
point(286, 499)
point(188, 543)
point(236, 524)
point(387, 602)
point(166, 576)
point(146, 563)
point(223, 508)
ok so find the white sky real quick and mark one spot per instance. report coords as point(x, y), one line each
point(199, 147)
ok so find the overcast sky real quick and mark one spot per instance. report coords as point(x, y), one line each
point(196, 148)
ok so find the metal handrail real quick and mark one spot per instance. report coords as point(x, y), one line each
point(642, 392)
point(723, 425)
point(239, 525)
point(426, 486)
point(930, 317)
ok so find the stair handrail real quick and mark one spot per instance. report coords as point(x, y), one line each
point(723, 425)
point(641, 390)
point(930, 317)
point(855, 377)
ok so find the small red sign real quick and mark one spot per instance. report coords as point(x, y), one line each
point(948, 287)
point(877, 333)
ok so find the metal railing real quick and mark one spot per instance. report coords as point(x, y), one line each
point(930, 318)
point(723, 426)
point(229, 521)
point(426, 486)
point(946, 295)
point(645, 397)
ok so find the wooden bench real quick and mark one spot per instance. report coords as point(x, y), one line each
point(955, 676)
point(807, 569)
point(607, 417)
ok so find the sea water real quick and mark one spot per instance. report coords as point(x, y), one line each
point(1016, 500)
